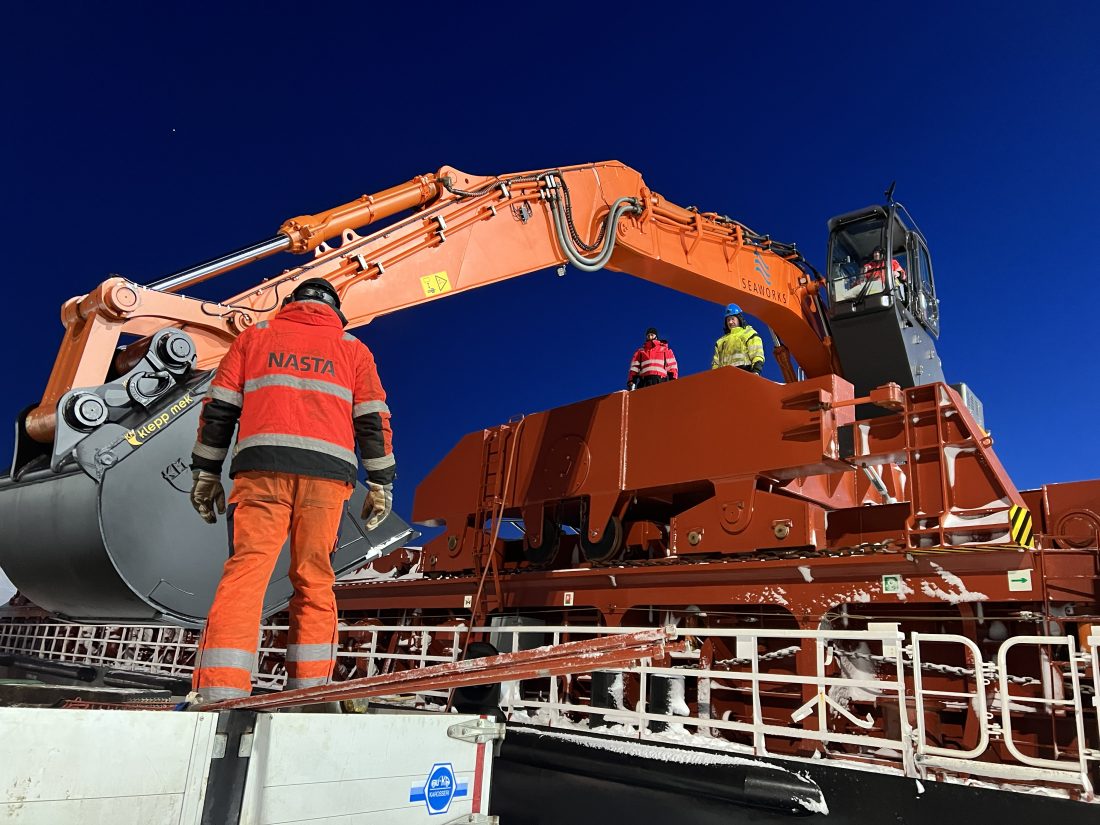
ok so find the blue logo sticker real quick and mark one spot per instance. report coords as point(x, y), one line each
point(761, 267)
point(441, 786)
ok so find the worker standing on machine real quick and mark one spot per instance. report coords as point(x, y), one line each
point(304, 392)
point(740, 345)
point(653, 362)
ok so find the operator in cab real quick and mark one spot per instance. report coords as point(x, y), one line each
point(303, 393)
point(740, 345)
point(653, 363)
point(875, 267)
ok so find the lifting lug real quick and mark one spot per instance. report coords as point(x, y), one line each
point(477, 731)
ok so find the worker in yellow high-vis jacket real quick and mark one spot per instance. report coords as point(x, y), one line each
point(740, 344)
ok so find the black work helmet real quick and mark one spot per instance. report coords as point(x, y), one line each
point(316, 289)
point(651, 330)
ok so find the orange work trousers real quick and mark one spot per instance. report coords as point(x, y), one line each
point(264, 508)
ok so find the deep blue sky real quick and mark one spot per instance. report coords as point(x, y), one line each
point(140, 141)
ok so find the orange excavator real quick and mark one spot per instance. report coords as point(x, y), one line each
point(862, 444)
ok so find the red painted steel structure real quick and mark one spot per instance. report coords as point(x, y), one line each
point(781, 476)
point(622, 594)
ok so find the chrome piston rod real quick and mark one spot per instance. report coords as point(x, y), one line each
point(202, 272)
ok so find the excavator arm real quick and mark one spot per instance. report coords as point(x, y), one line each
point(466, 232)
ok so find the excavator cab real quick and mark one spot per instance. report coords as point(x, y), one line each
point(882, 298)
point(878, 257)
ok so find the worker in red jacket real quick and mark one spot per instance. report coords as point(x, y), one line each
point(653, 362)
point(303, 393)
point(875, 268)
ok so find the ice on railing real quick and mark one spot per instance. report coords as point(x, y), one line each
point(615, 690)
point(857, 667)
point(676, 704)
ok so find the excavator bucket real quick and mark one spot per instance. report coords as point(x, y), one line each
point(105, 531)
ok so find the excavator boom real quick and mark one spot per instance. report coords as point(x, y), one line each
point(469, 232)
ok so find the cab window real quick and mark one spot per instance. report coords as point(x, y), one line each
point(856, 269)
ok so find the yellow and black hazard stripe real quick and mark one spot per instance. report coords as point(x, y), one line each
point(1020, 527)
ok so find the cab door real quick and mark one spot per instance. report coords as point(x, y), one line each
point(924, 304)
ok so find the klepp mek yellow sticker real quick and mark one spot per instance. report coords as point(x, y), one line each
point(435, 284)
point(140, 435)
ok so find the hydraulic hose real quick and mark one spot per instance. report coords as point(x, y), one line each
point(620, 207)
point(557, 193)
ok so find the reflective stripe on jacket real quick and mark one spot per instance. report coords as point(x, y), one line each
point(304, 393)
point(740, 347)
point(263, 508)
point(653, 358)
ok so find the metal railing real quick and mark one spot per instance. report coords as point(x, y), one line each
point(1094, 659)
point(1072, 763)
point(1056, 703)
point(146, 648)
point(871, 695)
point(822, 708)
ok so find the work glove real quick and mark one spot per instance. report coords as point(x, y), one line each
point(671, 377)
point(206, 492)
point(630, 385)
point(758, 367)
point(377, 504)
